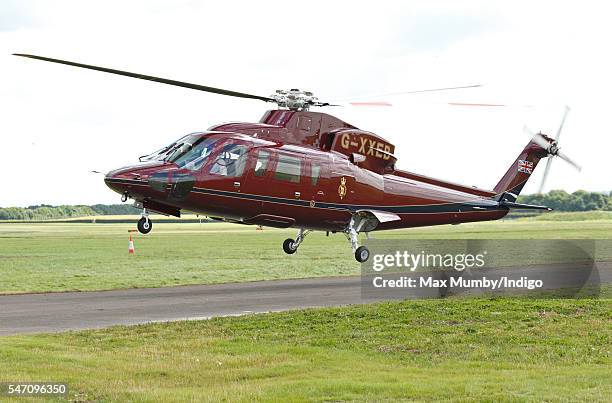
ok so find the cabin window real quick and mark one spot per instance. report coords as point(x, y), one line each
point(315, 171)
point(263, 157)
point(231, 161)
point(288, 168)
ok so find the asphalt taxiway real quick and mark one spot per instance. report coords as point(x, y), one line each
point(55, 312)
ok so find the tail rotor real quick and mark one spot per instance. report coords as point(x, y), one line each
point(553, 149)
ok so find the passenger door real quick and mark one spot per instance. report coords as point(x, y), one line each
point(316, 177)
point(287, 176)
point(258, 176)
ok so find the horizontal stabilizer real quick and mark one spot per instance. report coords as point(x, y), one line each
point(523, 206)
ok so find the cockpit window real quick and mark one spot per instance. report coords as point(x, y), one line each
point(192, 156)
point(165, 152)
point(230, 161)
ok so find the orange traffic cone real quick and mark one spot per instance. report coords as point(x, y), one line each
point(131, 246)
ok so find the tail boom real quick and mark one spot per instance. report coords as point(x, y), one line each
point(521, 169)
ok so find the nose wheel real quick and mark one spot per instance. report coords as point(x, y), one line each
point(144, 225)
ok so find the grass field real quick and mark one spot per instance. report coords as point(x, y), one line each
point(491, 349)
point(453, 349)
point(71, 256)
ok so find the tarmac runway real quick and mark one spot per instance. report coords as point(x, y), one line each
point(54, 312)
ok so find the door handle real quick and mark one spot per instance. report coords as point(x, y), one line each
point(297, 195)
point(320, 193)
point(236, 184)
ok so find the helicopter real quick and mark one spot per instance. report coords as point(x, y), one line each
point(307, 170)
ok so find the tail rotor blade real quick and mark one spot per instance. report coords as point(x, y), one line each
point(545, 176)
point(552, 148)
point(569, 161)
point(537, 138)
point(567, 109)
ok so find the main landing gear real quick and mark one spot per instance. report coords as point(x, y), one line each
point(144, 224)
point(362, 254)
point(290, 246)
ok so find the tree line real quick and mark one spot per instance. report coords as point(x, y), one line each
point(580, 200)
point(48, 212)
point(559, 200)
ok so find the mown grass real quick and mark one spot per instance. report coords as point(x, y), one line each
point(71, 256)
point(574, 216)
point(480, 349)
point(454, 349)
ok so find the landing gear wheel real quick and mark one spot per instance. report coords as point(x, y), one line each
point(289, 246)
point(362, 254)
point(144, 225)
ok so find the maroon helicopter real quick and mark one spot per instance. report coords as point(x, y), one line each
point(308, 170)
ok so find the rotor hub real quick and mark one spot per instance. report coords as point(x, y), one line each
point(295, 99)
point(554, 148)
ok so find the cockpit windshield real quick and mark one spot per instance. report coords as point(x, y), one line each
point(194, 150)
point(190, 151)
point(165, 152)
point(189, 155)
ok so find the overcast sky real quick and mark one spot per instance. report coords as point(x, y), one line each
point(57, 123)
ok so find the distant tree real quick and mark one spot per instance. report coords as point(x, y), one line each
point(114, 209)
point(44, 212)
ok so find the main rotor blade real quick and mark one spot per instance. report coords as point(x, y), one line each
point(461, 104)
point(432, 90)
point(151, 78)
point(371, 103)
point(488, 105)
point(410, 92)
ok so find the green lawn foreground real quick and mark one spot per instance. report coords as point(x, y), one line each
point(71, 256)
point(455, 349)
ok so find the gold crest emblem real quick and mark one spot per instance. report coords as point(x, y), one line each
point(342, 188)
point(312, 203)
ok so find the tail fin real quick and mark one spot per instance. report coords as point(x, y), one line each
point(521, 169)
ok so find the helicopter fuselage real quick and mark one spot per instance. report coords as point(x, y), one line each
point(299, 185)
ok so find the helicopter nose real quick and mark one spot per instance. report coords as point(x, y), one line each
point(116, 182)
point(150, 180)
point(124, 180)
